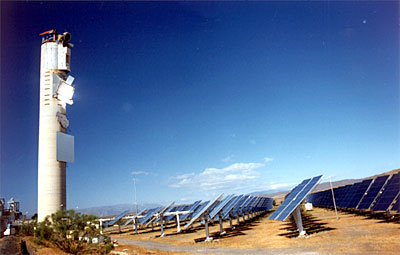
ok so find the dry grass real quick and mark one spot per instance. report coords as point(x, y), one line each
point(350, 234)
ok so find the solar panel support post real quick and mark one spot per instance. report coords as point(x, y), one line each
point(136, 226)
point(178, 224)
point(162, 226)
point(152, 226)
point(207, 231)
point(221, 227)
point(119, 226)
point(230, 222)
point(333, 198)
point(297, 218)
point(238, 219)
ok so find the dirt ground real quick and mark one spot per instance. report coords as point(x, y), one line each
point(10, 245)
point(351, 233)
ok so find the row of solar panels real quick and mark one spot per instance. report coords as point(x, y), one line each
point(379, 194)
point(217, 209)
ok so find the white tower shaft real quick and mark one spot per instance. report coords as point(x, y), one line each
point(51, 172)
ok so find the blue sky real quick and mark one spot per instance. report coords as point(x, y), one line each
point(201, 98)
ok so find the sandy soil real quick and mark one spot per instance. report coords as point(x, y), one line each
point(10, 245)
point(352, 233)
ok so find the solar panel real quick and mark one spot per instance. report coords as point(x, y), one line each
point(359, 193)
point(166, 209)
point(269, 203)
point(220, 206)
point(134, 217)
point(289, 198)
point(350, 191)
point(252, 203)
point(176, 209)
point(389, 194)
point(299, 198)
point(149, 215)
point(373, 192)
point(396, 206)
point(200, 213)
point(192, 208)
point(340, 194)
point(236, 210)
point(227, 210)
point(117, 218)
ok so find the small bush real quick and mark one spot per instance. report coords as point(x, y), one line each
point(68, 230)
point(27, 229)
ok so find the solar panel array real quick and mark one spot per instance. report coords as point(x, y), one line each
point(218, 209)
point(379, 194)
point(294, 198)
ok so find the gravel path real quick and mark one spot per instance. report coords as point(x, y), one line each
point(208, 250)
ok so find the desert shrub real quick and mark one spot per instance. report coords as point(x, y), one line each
point(27, 229)
point(69, 231)
point(43, 231)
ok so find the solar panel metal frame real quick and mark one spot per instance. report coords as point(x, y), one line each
point(204, 210)
point(299, 198)
point(169, 208)
point(177, 208)
point(371, 196)
point(289, 198)
point(156, 215)
point(134, 217)
point(192, 208)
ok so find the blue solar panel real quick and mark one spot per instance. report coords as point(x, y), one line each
point(340, 194)
point(221, 206)
point(203, 210)
point(322, 198)
point(396, 206)
point(358, 195)
point(350, 191)
point(149, 214)
point(251, 207)
point(373, 192)
point(176, 209)
point(299, 198)
point(228, 209)
point(389, 194)
point(192, 208)
point(289, 198)
point(236, 210)
point(117, 218)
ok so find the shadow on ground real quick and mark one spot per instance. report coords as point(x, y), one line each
point(238, 230)
point(311, 225)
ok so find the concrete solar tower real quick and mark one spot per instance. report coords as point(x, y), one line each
point(56, 148)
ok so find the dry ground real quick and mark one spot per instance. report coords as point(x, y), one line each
point(352, 233)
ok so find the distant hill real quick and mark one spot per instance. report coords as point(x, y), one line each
point(112, 210)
